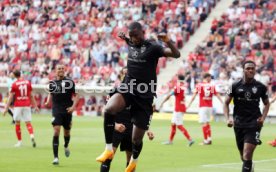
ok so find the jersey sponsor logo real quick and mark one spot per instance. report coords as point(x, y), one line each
point(240, 90)
point(254, 89)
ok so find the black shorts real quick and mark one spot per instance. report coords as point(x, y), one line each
point(247, 135)
point(62, 119)
point(122, 139)
point(141, 110)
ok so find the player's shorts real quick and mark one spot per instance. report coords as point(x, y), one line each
point(22, 114)
point(122, 139)
point(205, 114)
point(141, 110)
point(247, 135)
point(62, 119)
point(177, 118)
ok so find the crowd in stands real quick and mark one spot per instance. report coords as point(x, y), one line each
point(36, 35)
point(246, 31)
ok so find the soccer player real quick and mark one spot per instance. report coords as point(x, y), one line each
point(21, 94)
point(206, 90)
point(64, 100)
point(137, 90)
point(122, 136)
point(248, 118)
point(179, 110)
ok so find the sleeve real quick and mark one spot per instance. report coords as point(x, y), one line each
point(264, 94)
point(13, 87)
point(231, 90)
point(158, 51)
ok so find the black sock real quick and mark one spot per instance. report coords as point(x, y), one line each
point(108, 127)
point(106, 165)
point(55, 146)
point(66, 141)
point(136, 150)
point(247, 165)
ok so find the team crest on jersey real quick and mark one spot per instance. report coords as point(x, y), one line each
point(143, 49)
point(134, 54)
point(254, 89)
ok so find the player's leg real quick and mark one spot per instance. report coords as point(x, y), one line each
point(57, 122)
point(114, 105)
point(66, 132)
point(137, 145)
point(141, 111)
point(203, 120)
point(27, 117)
point(179, 124)
point(209, 113)
point(251, 140)
point(173, 130)
point(55, 143)
point(17, 118)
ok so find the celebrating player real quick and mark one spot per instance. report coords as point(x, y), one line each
point(62, 91)
point(21, 94)
point(137, 89)
point(206, 91)
point(179, 110)
point(248, 119)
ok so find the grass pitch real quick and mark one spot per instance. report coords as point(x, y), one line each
point(87, 142)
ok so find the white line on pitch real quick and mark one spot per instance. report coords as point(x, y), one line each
point(216, 165)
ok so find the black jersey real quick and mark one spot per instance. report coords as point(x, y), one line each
point(246, 102)
point(141, 65)
point(62, 92)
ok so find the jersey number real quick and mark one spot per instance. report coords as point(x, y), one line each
point(23, 90)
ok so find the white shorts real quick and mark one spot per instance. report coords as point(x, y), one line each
point(22, 114)
point(205, 114)
point(177, 118)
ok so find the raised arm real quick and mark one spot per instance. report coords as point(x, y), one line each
point(171, 51)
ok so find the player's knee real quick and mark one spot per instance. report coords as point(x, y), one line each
point(247, 154)
point(136, 141)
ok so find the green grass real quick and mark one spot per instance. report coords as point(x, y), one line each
point(87, 143)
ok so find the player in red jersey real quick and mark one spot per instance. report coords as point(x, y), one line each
point(21, 92)
point(206, 90)
point(180, 109)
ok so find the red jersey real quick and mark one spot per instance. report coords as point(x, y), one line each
point(179, 93)
point(22, 93)
point(206, 92)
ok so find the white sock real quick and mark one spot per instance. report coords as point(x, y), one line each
point(209, 139)
point(133, 160)
point(32, 136)
point(109, 147)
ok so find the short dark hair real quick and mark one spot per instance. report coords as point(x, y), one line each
point(206, 75)
point(248, 61)
point(135, 25)
point(17, 73)
point(181, 77)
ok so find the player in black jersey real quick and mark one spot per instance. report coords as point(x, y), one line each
point(64, 100)
point(122, 134)
point(137, 90)
point(248, 119)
